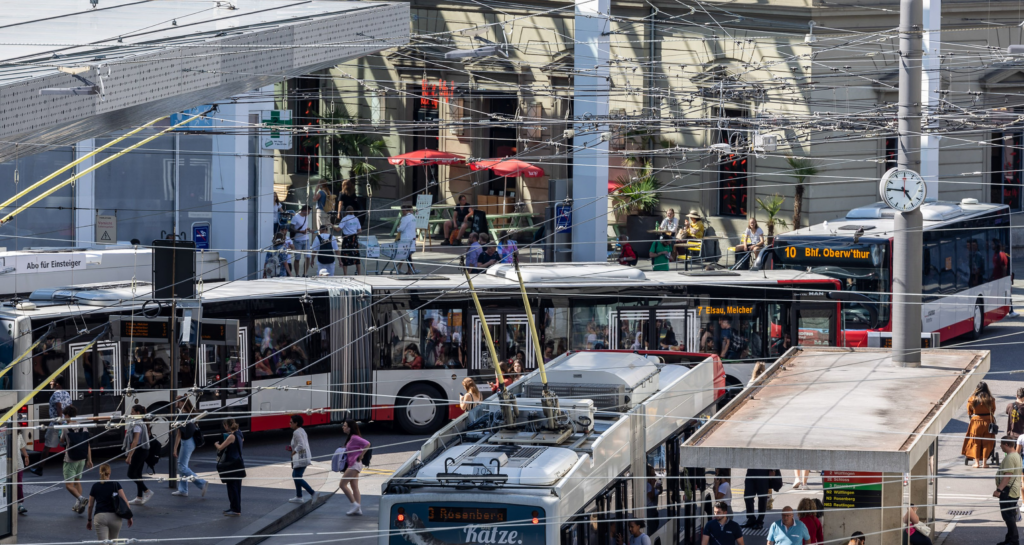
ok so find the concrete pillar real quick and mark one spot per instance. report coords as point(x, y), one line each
point(919, 476)
point(590, 158)
point(229, 229)
point(85, 196)
point(891, 512)
point(931, 44)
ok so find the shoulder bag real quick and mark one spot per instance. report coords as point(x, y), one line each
point(121, 507)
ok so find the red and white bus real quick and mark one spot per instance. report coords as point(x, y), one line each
point(396, 348)
point(965, 267)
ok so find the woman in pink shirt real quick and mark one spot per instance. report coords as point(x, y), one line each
point(355, 447)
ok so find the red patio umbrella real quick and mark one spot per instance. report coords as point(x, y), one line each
point(426, 157)
point(613, 186)
point(509, 168)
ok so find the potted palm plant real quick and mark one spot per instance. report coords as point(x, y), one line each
point(772, 206)
point(638, 196)
point(801, 168)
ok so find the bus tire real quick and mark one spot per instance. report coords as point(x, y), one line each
point(420, 409)
point(977, 319)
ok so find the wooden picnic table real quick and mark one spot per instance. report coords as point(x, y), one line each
point(518, 221)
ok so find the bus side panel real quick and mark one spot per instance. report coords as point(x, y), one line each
point(272, 408)
point(351, 381)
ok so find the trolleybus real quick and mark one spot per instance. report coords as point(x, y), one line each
point(395, 348)
point(965, 265)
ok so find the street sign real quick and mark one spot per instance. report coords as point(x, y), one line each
point(423, 203)
point(201, 236)
point(106, 229)
point(563, 218)
point(852, 489)
point(275, 138)
point(201, 124)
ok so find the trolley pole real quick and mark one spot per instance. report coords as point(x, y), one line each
point(907, 239)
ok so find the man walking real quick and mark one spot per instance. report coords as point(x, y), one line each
point(755, 485)
point(300, 239)
point(1008, 489)
point(788, 531)
point(77, 458)
point(59, 399)
point(323, 207)
point(407, 234)
point(326, 250)
point(720, 530)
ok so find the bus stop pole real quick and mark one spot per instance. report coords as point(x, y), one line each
point(908, 238)
point(172, 460)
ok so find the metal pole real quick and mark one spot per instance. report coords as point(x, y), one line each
point(907, 239)
point(172, 460)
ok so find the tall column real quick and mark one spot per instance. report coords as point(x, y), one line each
point(85, 196)
point(907, 239)
point(229, 227)
point(590, 158)
point(931, 82)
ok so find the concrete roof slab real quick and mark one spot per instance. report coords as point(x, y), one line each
point(839, 409)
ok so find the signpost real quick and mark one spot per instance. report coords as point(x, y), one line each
point(422, 214)
point(563, 218)
point(106, 229)
point(201, 235)
point(276, 138)
point(852, 489)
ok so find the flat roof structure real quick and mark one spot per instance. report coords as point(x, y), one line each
point(159, 57)
point(846, 409)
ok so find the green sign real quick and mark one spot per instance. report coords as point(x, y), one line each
point(275, 138)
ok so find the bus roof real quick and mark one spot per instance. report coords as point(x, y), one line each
point(878, 219)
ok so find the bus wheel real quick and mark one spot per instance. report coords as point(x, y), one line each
point(978, 319)
point(420, 409)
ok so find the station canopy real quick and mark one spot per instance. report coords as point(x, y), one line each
point(131, 61)
point(841, 409)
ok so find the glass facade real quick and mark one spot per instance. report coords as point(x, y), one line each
point(49, 222)
point(138, 188)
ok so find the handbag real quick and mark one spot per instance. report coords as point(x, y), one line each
point(993, 428)
point(121, 507)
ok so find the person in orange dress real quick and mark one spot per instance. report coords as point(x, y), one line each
point(979, 443)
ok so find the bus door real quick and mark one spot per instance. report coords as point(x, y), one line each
point(813, 324)
point(510, 333)
point(95, 384)
point(655, 328)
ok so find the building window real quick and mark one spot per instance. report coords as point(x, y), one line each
point(1006, 169)
point(891, 152)
point(732, 174)
point(306, 113)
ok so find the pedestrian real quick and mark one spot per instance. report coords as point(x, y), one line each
point(59, 399)
point(801, 479)
point(454, 224)
point(301, 458)
point(1008, 481)
point(755, 486)
point(21, 462)
point(77, 457)
point(324, 202)
point(670, 223)
point(659, 251)
point(722, 530)
point(185, 443)
point(980, 439)
point(489, 257)
point(808, 512)
point(231, 466)
point(350, 228)
point(299, 231)
point(407, 235)
point(278, 207)
point(788, 531)
point(473, 254)
point(472, 397)
point(102, 513)
point(627, 255)
point(1015, 416)
point(654, 490)
point(136, 446)
point(915, 533)
point(326, 250)
point(355, 447)
point(857, 538)
point(723, 488)
point(637, 534)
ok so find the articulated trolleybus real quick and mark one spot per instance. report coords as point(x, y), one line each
point(966, 262)
point(618, 429)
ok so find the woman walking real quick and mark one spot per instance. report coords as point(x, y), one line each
point(980, 441)
point(101, 512)
point(231, 466)
point(472, 397)
point(184, 446)
point(136, 446)
point(301, 458)
point(355, 447)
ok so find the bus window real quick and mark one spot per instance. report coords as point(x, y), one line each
point(186, 367)
point(813, 327)
point(997, 254)
point(976, 259)
point(282, 347)
point(947, 274)
point(930, 269)
point(554, 331)
point(963, 263)
point(442, 340)
point(400, 346)
point(732, 336)
point(590, 326)
point(46, 359)
point(779, 337)
point(149, 369)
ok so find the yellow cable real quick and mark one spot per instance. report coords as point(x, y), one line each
point(54, 189)
point(21, 357)
point(73, 164)
point(20, 404)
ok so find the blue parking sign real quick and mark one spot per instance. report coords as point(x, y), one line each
point(201, 236)
point(563, 218)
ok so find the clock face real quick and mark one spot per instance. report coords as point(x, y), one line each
point(902, 190)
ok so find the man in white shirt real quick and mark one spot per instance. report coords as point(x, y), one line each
point(407, 233)
point(325, 248)
point(350, 228)
point(670, 223)
point(300, 230)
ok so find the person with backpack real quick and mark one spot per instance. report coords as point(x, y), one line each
point(231, 466)
point(77, 456)
point(301, 458)
point(325, 202)
point(326, 250)
point(186, 441)
point(136, 446)
point(104, 498)
point(1015, 416)
point(355, 449)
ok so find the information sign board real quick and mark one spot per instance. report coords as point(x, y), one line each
point(852, 489)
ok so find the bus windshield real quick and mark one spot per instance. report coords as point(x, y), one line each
point(862, 267)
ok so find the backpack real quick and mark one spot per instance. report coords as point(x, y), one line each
point(325, 255)
point(1016, 414)
point(272, 267)
point(339, 460)
point(77, 443)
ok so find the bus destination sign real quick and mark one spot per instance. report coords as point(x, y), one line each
point(813, 254)
point(142, 329)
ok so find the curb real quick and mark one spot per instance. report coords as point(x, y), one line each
point(276, 520)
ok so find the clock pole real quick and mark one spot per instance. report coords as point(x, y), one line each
point(908, 238)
